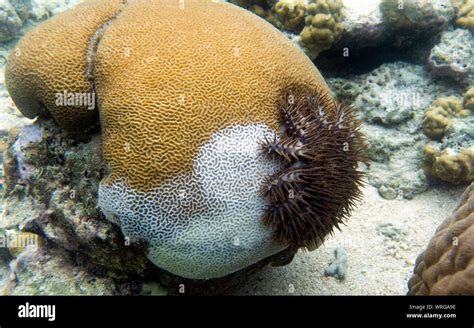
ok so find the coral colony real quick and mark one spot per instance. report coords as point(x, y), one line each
point(158, 146)
point(173, 178)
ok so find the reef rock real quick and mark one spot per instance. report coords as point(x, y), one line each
point(453, 57)
point(391, 104)
point(51, 188)
point(10, 22)
point(44, 9)
point(363, 24)
point(51, 271)
point(417, 16)
point(22, 8)
point(398, 24)
point(446, 267)
point(14, 14)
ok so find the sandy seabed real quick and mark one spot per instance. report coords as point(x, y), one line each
point(377, 264)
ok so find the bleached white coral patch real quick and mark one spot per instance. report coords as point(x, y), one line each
point(206, 224)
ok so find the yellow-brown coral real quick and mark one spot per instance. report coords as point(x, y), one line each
point(465, 16)
point(323, 25)
point(448, 165)
point(446, 267)
point(437, 119)
point(201, 78)
point(291, 13)
point(468, 102)
point(32, 76)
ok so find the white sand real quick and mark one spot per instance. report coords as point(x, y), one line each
point(377, 265)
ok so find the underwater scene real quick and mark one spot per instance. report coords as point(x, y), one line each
point(245, 147)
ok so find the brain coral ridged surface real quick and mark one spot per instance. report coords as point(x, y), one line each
point(46, 63)
point(446, 267)
point(197, 75)
point(186, 90)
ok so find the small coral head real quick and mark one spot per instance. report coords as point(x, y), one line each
point(320, 149)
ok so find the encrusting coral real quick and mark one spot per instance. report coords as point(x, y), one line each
point(465, 15)
point(446, 267)
point(437, 119)
point(182, 125)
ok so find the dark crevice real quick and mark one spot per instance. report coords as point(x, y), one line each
point(333, 63)
point(93, 47)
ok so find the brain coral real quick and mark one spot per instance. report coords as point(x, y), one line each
point(446, 267)
point(187, 93)
point(34, 90)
